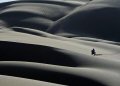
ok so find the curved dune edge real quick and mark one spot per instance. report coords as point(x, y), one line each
point(49, 42)
point(16, 81)
point(72, 76)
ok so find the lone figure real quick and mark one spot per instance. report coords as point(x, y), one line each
point(93, 52)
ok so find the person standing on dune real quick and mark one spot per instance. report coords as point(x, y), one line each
point(93, 52)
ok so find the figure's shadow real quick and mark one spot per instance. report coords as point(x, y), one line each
point(98, 54)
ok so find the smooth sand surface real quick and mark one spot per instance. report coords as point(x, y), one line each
point(49, 43)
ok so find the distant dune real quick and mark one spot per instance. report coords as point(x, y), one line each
point(49, 43)
point(99, 18)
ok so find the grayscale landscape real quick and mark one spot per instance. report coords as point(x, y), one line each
point(49, 43)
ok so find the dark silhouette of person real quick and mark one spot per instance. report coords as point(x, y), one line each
point(93, 52)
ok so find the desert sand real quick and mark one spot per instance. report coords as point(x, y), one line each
point(49, 43)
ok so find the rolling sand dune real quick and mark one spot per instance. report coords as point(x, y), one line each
point(49, 42)
point(99, 18)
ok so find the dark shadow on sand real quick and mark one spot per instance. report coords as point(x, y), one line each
point(98, 54)
point(11, 51)
point(37, 73)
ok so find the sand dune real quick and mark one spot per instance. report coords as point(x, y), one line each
point(15, 81)
point(96, 19)
point(49, 42)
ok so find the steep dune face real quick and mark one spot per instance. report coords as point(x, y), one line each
point(34, 53)
point(99, 18)
point(37, 43)
point(35, 14)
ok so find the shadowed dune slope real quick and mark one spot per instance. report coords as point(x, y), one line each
point(34, 53)
point(35, 14)
point(46, 72)
point(99, 18)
